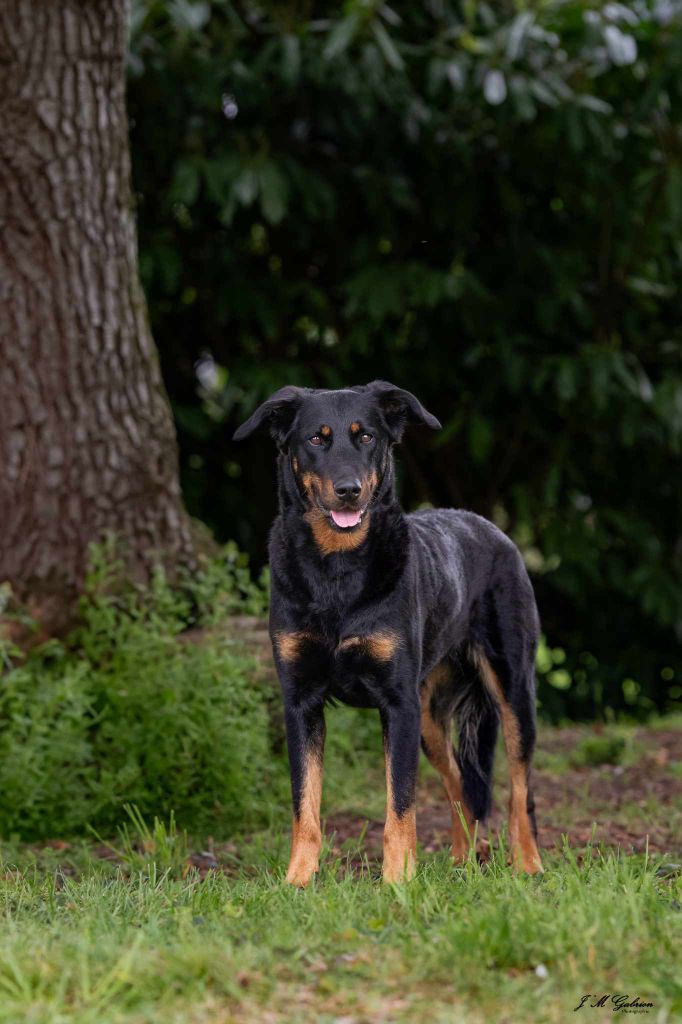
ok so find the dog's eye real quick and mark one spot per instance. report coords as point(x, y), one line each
point(366, 438)
point(316, 441)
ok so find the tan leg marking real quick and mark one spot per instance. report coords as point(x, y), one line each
point(381, 645)
point(524, 850)
point(441, 756)
point(400, 837)
point(306, 834)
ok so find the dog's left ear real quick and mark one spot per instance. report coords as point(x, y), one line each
point(400, 408)
point(277, 414)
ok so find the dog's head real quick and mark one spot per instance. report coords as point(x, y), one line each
point(338, 444)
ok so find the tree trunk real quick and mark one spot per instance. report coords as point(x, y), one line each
point(87, 443)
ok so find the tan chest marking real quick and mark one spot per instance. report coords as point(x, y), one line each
point(381, 645)
point(289, 644)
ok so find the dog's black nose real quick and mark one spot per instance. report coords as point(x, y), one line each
point(348, 489)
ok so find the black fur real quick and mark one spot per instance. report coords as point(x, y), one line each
point(446, 584)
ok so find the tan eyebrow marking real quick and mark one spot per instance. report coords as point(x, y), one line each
point(355, 428)
point(325, 430)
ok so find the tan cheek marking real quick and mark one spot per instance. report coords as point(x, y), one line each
point(289, 644)
point(369, 485)
point(525, 854)
point(381, 645)
point(313, 483)
point(400, 837)
point(327, 491)
point(306, 834)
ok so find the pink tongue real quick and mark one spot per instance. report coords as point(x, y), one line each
point(346, 519)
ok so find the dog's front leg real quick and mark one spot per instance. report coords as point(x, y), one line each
point(401, 747)
point(305, 740)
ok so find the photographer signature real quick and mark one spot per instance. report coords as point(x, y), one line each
point(618, 1003)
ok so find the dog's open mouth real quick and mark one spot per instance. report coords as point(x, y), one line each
point(346, 520)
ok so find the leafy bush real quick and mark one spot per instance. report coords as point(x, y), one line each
point(595, 750)
point(134, 710)
point(480, 201)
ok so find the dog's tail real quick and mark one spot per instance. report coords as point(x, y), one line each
point(477, 725)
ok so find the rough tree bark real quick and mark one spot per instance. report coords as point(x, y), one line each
point(87, 443)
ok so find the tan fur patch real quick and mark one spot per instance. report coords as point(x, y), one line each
point(355, 428)
point(381, 645)
point(525, 855)
point(400, 838)
point(289, 644)
point(317, 487)
point(306, 834)
point(440, 753)
point(325, 431)
point(294, 463)
point(369, 485)
point(329, 540)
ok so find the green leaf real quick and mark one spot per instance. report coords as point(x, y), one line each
point(291, 58)
point(341, 36)
point(185, 185)
point(245, 187)
point(480, 437)
point(273, 193)
point(387, 47)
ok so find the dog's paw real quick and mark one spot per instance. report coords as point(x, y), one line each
point(526, 861)
point(399, 869)
point(301, 870)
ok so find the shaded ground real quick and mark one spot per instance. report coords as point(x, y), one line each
point(632, 805)
point(622, 805)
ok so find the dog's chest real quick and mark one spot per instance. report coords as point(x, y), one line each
point(357, 678)
point(356, 668)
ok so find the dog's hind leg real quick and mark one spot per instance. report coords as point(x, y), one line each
point(509, 678)
point(504, 644)
point(437, 707)
point(515, 715)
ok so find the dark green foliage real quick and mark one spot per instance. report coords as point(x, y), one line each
point(482, 202)
point(599, 750)
point(135, 710)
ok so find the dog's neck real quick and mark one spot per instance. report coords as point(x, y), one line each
point(331, 583)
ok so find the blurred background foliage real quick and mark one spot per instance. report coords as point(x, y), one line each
point(480, 202)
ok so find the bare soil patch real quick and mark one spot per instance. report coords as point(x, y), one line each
point(624, 806)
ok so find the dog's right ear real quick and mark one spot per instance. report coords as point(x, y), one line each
point(276, 414)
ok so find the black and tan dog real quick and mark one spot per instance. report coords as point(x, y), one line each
point(424, 616)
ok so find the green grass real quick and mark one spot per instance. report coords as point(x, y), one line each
point(151, 711)
point(456, 944)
